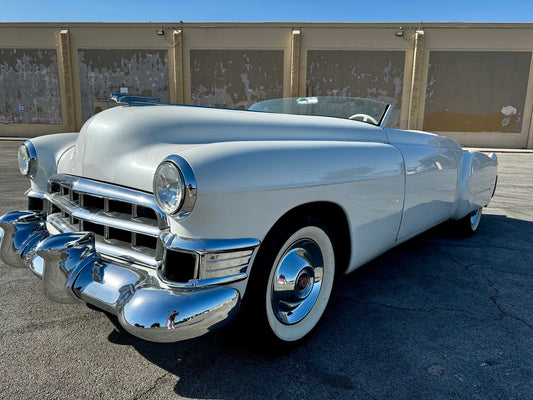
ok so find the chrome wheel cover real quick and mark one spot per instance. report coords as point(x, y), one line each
point(297, 281)
point(475, 217)
point(300, 283)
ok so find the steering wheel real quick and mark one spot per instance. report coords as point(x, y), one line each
point(364, 118)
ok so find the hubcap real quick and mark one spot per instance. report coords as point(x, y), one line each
point(297, 281)
point(474, 218)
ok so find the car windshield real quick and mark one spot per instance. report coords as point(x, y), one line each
point(355, 108)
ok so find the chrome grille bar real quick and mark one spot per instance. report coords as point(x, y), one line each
point(127, 223)
point(74, 187)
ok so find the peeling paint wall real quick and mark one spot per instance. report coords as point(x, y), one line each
point(103, 72)
point(376, 75)
point(476, 91)
point(29, 86)
point(235, 78)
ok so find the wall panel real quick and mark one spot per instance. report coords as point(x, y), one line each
point(29, 87)
point(476, 91)
point(235, 78)
point(376, 75)
point(103, 72)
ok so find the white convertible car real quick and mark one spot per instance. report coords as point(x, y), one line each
point(175, 217)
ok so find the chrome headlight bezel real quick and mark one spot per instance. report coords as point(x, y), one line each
point(185, 183)
point(27, 159)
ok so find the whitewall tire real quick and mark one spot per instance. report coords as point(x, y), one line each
point(297, 274)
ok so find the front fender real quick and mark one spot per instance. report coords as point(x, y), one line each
point(50, 149)
point(243, 188)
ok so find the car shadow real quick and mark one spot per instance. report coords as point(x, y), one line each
point(399, 326)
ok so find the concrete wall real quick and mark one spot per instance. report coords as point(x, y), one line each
point(32, 75)
point(235, 78)
point(471, 82)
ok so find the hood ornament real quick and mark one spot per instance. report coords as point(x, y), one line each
point(134, 100)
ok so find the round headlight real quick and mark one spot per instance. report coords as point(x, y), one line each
point(175, 187)
point(27, 157)
point(168, 187)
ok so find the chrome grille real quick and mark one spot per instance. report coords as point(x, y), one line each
point(126, 221)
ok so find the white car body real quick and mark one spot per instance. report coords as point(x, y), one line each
point(251, 170)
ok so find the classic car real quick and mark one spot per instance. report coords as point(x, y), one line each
point(174, 217)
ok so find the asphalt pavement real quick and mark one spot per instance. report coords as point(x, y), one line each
point(436, 318)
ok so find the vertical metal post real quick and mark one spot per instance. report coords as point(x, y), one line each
point(416, 81)
point(295, 62)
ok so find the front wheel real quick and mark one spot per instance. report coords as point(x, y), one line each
point(292, 280)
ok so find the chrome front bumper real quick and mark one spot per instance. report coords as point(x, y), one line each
point(73, 271)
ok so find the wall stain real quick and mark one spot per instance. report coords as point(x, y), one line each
point(29, 87)
point(376, 75)
point(103, 72)
point(235, 78)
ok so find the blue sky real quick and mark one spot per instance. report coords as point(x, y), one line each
point(259, 11)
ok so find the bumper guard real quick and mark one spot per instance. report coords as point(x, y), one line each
point(72, 271)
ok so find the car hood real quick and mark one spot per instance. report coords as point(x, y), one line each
point(124, 145)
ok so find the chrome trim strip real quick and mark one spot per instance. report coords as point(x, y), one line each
point(104, 190)
point(33, 158)
point(33, 193)
point(172, 241)
point(220, 281)
point(201, 283)
point(189, 188)
point(385, 116)
point(101, 219)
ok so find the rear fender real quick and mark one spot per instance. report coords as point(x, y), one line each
point(476, 182)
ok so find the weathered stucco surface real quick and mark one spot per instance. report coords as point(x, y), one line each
point(376, 75)
point(235, 78)
point(103, 72)
point(476, 91)
point(29, 86)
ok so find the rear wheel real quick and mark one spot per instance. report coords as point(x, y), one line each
point(468, 225)
point(291, 281)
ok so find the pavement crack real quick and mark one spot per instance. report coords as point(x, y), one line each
point(494, 299)
point(455, 260)
point(154, 386)
point(509, 272)
point(170, 372)
point(423, 310)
